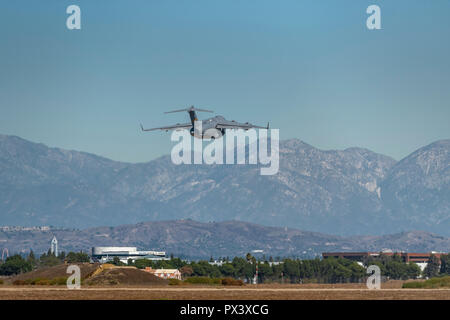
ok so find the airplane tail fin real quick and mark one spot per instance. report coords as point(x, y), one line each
point(191, 112)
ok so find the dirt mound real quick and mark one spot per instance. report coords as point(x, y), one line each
point(94, 274)
point(125, 276)
point(58, 271)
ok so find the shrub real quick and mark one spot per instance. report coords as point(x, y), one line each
point(413, 285)
point(35, 281)
point(203, 280)
point(60, 281)
point(1, 281)
point(175, 282)
point(42, 282)
point(19, 282)
point(232, 282)
point(429, 284)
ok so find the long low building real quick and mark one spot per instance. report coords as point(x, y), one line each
point(106, 254)
point(406, 256)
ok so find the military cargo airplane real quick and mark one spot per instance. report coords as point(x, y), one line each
point(212, 128)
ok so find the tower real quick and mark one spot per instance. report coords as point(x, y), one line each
point(255, 278)
point(5, 250)
point(54, 246)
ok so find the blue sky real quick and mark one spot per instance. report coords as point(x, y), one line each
point(311, 68)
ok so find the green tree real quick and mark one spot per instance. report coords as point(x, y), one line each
point(186, 271)
point(62, 256)
point(228, 270)
point(394, 267)
point(49, 260)
point(412, 270)
point(291, 270)
point(198, 269)
point(249, 271)
point(432, 268)
point(116, 261)
point(445, 264)
point(397, 257)
point(277, 272)
point(73, 257)
point(209, 269)
point(306, 269)
point(14, 265)
point(31, 258)
point(239, 266)
point(143, 263)
point(265, 272)
point(177, 263)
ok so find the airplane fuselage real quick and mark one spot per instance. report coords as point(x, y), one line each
point(208, 129)
point(211, 128)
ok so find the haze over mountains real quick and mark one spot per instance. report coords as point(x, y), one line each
point(201, 240)
point(347, 192)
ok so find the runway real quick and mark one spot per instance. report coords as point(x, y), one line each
point(221, 293)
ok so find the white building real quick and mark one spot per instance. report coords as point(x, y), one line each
point(165, 273)
point(106, 254)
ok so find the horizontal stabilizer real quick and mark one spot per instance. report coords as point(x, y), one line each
point(189, 110)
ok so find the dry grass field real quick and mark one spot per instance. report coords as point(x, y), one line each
point(125, 283)
point(392, 291)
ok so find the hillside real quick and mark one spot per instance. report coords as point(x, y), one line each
point(347, 192)
point(192, 239)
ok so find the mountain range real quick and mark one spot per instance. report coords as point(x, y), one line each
point(348, 192)
point(201, 240)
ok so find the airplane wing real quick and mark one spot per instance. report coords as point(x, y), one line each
point(178, 126)
point(237, 125)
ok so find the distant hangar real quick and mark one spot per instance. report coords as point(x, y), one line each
point(106, 254)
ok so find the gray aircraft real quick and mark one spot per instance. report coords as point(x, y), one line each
point(212, 128)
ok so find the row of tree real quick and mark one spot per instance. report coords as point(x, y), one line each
point(436, 268)
point(393, 267)
point(288, 270)
point(295, 271)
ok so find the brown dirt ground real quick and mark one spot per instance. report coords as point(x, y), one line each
point(249, 292)
point(125, 276)
point(94, 274)
point(114, 283)
point(55, 272)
